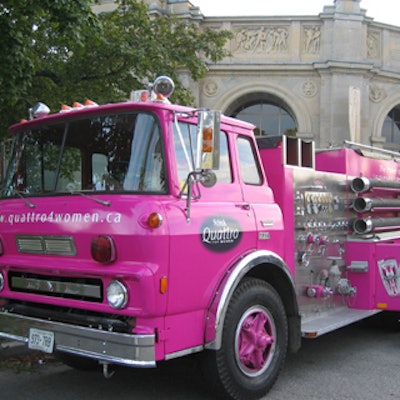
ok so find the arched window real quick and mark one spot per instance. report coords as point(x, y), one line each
point(391, 129)
point(269, 119)
point(270, 114)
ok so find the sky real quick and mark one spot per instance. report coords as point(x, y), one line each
point(386, 11)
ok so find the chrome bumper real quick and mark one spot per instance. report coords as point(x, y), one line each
point(109, 347)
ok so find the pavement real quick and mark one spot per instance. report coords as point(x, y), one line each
point(12, 349)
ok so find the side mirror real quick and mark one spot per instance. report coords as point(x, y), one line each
point(208, 178)
point(208, 136)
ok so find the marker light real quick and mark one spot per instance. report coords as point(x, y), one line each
point(207, 140)
point(76, 104)
point(65, 108)
point(140, 95)
point(1, 248)
point(103, 249)
point(90, 103)
point(163, 285)
point(154, 220)
point(117, 294)
point(144, 95)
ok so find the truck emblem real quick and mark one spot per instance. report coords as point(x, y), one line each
point(220, 233)
point(390, 274)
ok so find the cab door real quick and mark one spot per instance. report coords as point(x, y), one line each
point(258, 198)
point(209, 234)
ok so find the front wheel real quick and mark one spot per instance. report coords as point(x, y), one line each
point(254, 343)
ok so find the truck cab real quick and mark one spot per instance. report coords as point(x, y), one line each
point(143, 231)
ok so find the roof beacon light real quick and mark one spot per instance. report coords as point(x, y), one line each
point(158, 91)
point(40, 110)
point(163, 87)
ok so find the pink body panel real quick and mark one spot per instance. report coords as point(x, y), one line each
point(379, 286)
point(281, 180)
point(82, 219)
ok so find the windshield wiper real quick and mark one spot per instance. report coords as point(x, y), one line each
point(88, 196)
point(22, 195)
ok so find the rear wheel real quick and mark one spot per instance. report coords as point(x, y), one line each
point(254, 343)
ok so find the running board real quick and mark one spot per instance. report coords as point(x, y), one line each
point(314, 327)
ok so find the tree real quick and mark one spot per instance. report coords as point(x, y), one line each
point(104, 57)
point(30, 33)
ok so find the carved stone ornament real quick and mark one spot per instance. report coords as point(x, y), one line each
point(377, 94)
point(262, 39)
point(373, 39)
point(210, 88)
point(312, 39)
point(309, 88)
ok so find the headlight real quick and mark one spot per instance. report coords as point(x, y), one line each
point(117, 295)
point(1, 282)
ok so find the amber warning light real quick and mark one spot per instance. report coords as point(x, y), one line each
point(208, 140)
point(154, 220)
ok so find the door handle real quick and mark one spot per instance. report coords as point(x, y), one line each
point(244, 206)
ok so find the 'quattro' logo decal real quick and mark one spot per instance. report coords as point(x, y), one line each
point(220, 233)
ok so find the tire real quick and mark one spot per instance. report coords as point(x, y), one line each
point(254, 343)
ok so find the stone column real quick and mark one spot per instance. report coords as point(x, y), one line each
point(345, 67)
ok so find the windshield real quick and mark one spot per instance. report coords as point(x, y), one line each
point(109, 153)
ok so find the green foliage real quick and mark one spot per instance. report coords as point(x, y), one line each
point(63, 53)
point(32, 33)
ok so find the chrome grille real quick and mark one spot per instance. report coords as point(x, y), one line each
point(44, 244)
point(88, 289)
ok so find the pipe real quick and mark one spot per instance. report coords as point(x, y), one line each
point(365, 204)
point(367, 225)
point(363, 184)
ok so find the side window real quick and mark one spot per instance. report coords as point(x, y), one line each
point(224, 172)
point(248, 165)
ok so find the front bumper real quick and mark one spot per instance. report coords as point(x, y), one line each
point(105, 346)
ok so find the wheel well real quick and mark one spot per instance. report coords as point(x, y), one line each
point(264, 265)
point(282, 283)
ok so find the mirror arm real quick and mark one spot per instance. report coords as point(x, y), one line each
point(194, 177)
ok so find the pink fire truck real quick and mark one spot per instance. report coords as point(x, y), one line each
point(143, 231)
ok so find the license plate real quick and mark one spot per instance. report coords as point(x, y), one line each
point(41, 340)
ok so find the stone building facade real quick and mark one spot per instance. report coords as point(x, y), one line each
point(329, 78)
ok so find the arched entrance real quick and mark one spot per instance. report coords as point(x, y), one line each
point(391, 129)
point(268, 113)
point(386, 127)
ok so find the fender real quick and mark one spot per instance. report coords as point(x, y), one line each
point(217, 311)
